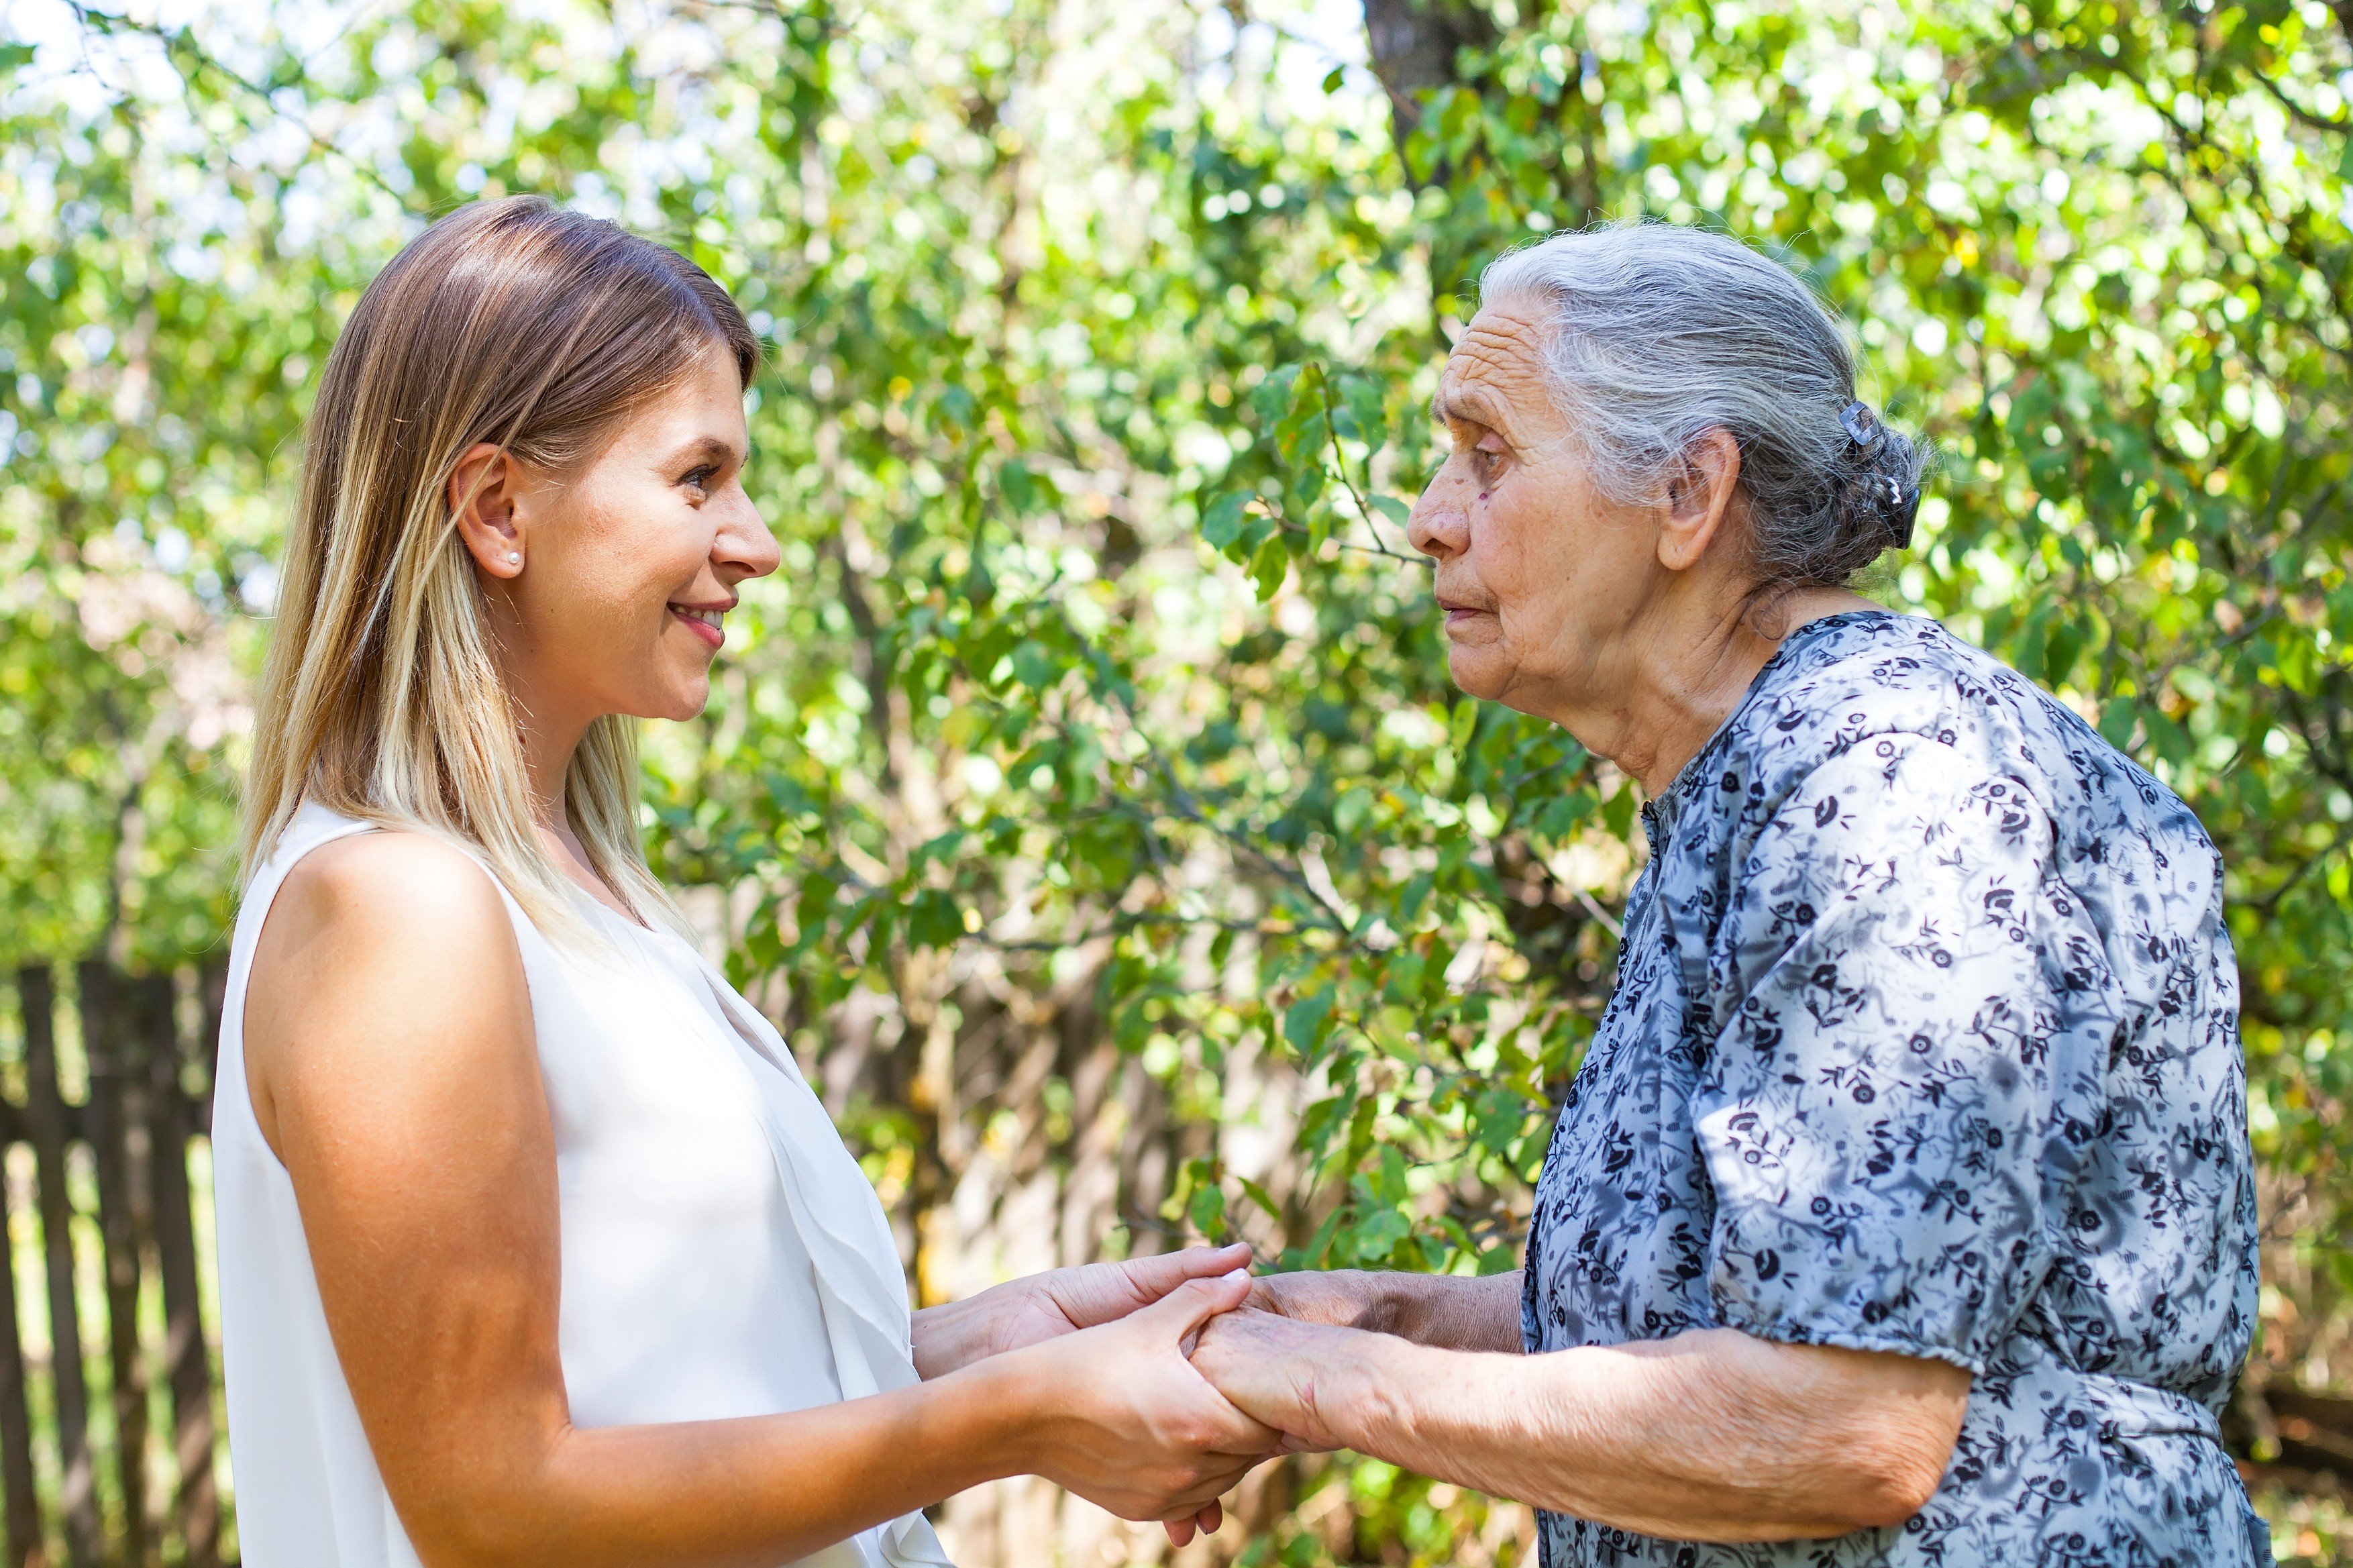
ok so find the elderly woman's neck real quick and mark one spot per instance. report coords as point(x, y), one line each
point(1685, 682)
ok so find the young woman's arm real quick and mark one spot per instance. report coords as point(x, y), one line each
point(390, 1050)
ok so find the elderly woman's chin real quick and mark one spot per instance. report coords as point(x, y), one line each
point(1476, 657)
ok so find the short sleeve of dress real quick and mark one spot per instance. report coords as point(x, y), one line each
point(1902, 982)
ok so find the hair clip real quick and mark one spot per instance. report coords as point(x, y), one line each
point(1902, 510)
point(1862, 428)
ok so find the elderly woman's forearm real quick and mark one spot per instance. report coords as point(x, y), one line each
point(1712, 1436)
point(1450, 1312)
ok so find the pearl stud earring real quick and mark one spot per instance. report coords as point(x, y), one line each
point(515, 557)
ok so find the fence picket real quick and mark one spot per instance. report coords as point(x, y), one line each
point(187, 1365)
point(110, 1033)
point(46, 1123)
point(15, 1417)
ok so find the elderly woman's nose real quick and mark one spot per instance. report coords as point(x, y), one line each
point(1440, 523)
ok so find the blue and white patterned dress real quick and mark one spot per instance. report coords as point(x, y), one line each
point(1926, 1039)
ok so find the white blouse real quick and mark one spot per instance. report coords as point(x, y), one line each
point(722, 1254)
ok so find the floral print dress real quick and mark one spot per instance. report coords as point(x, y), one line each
point(1926, 1039)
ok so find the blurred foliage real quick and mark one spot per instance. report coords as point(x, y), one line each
point(1100, 347)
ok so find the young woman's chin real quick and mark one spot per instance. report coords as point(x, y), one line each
point(676, 695)
point(678, 686)
point(686, 700)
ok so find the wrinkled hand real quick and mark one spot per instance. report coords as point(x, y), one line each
point(1283, 1372)
point(1345, 1297)
point(1131, 1426)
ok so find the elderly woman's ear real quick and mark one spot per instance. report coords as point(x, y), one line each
point(1702, 498)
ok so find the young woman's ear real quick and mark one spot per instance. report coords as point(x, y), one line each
point(482, 496)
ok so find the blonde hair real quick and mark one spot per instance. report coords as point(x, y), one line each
point(536, 330)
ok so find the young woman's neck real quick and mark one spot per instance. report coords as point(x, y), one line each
point(550, 731)
point(550, 726)
point(547, 751)
point(550, 722)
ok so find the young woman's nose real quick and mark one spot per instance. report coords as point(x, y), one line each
point(743, 542)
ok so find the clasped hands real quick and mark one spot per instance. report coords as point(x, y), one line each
point(1161, 1382)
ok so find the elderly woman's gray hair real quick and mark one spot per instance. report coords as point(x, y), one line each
point(1661, 334)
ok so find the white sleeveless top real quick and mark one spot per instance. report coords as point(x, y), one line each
point(722, 1254)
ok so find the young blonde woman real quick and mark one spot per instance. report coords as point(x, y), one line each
point(534, 1246)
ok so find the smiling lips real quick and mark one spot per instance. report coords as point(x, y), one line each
point(702, 620)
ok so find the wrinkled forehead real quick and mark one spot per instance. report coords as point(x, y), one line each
point(1495, 377)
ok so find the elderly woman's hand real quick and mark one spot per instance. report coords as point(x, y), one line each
point(1276, 1369)
point(1446, 1310)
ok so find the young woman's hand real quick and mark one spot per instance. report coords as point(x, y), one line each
point(1123, 1419)
point(1042, 1307)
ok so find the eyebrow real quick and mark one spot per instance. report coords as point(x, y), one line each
point(1450, 405)
point(709, 447)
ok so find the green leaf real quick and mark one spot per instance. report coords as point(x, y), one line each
point(1273, 399)
point(1374, 1237)
point(1618, 810)
point(1207, 1211)
point(1306, 1021)
point(1035, 665)
point(1261, 1197)
point(1024, 490)
point(1269, 567)
point(1463, 722)
point(1319, 1246)
point(2117, 717)
point(934, 920)
point(1221, 523)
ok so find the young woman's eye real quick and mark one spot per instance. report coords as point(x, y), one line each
point(700, 478)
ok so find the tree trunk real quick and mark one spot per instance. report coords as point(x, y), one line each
point(1414, 45)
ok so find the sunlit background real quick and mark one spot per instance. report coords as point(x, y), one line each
point(1088, 802)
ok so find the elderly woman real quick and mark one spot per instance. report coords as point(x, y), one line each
point(1902, 1210)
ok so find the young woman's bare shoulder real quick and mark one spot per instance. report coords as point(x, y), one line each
point(397, 889)
point(388, 970)
point(394, 920)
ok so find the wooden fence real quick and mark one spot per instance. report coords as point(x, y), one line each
point(108, 1450)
